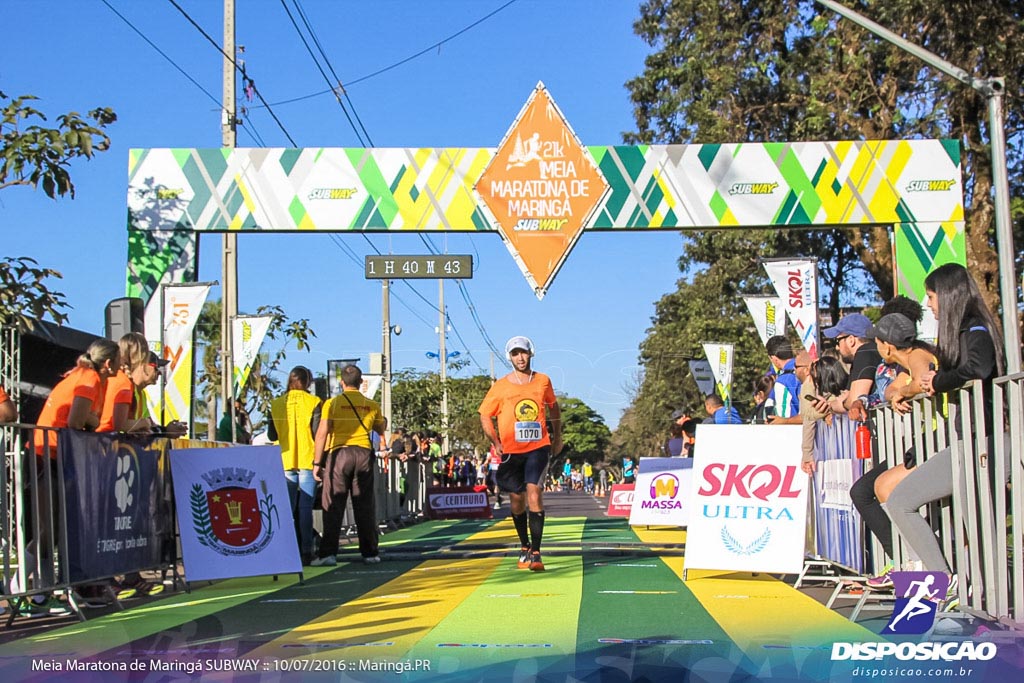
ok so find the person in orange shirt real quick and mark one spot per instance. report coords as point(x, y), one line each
point(8, 411)
point(124, 406)
point(75, 403)
point(77, 400)
point(523, 401)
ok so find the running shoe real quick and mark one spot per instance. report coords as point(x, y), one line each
point(328, 561)
point(524, 558)
point(535, 564)
point(50, 607)
point(883, 580)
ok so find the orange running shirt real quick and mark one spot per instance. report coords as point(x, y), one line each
point(521, 410)
point(3, 396)
point(84, 382)
point(120, 389)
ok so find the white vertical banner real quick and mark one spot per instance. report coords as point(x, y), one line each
point(247, 333)
point(720, 358)
point(796, 283)
point(371, 385)
point(180, 308)
point(703, 376)
point(748, 512)
point(768, 314)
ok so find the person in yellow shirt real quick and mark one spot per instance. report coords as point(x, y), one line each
point(343, 457)
point(523, 402)
point(294, 420)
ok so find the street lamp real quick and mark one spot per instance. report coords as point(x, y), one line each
point(992, 89)
point(436, 356)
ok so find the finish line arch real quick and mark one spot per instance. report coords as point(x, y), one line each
point(540, 190)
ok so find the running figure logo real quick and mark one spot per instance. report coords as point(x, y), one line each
point(918, 597)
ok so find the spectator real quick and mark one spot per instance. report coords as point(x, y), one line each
point(8, 411)
point(294, 421)
point(786, 390)
point(850, 335)
point(718, 413)
point(243, 428)
point(968, 349)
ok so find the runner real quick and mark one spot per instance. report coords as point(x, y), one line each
point(523, 401)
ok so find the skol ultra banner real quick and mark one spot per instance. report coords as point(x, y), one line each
point(662, 489)
point(117, 502)
point(233, 512)
point(768, 314)
point(703, 376)
point(175, 310)
point(748, 512)
point(541, 187)
point(796, 283)
point(247, 333)
point(720, 358)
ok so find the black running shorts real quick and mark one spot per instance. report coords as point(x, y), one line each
point(519, 469)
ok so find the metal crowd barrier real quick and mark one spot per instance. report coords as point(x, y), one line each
point(981, 526)
point(32, 517)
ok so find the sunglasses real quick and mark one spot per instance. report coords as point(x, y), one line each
point(842, 337)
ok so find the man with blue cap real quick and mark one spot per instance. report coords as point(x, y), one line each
point(861, 353)
point(523, 402)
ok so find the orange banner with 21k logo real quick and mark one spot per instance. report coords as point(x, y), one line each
point(541, 187)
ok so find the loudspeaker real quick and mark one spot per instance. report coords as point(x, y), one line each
point(124, 315)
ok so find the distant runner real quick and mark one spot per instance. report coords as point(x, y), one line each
point(523, 401)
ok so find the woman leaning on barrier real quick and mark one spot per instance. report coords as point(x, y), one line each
point(75, 403)
point(968, 349)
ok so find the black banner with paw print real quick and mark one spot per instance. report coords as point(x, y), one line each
point(117, 503)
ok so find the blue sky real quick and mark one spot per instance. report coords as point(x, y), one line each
point(77, 55)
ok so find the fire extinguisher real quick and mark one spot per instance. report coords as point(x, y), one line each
point(862, 438)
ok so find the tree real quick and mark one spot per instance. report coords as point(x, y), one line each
point(416, 405)
point(263, 385)
point(32, 155)
point(24, 296)
point(584, 434)
point(790, 70)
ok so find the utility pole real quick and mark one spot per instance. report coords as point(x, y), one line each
point(385, 391)
point(992, 89)
point(229, 255)
point(443, 353)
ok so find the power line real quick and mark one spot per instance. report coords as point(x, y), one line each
point(253, 134)
point(402, 61)
point(316, 41)
point(316, 61)
point(250, 82)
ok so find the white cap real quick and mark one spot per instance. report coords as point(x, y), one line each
point(518, 343)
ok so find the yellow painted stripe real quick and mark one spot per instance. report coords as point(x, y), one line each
point(759, 610)
point(399, 612)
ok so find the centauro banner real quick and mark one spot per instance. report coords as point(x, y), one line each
point(247, 333)
point(720, 358)
point(796, 282)
point(768, 314)
point(174, 312)
point(748, 512)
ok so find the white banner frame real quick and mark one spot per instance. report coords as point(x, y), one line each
point(749, 477)
point(661, 494)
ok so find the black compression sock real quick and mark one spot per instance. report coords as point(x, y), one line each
point(536, 529)
point(520, 522)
